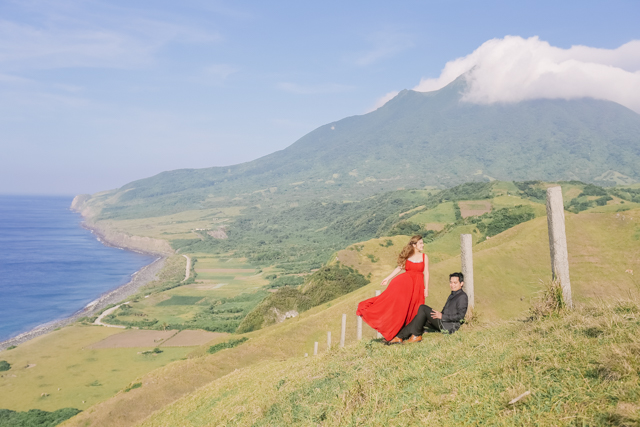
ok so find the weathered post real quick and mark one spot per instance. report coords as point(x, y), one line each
point(343, 330)
point(328, 340)
point(359, 328)
point(558, 242)
point(315, 348)
point(378, 335)
point(466, 256)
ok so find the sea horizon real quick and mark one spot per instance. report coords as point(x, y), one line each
point(50, 266)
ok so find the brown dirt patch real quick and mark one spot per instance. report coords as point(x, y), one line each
point(435, 226)
point(474, 208)
point(225, 270)
point(189, 338)
point(134, 338)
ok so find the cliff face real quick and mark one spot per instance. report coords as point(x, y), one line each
point(118, 238)
point(128, 241)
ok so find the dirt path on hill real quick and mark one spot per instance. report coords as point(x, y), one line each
point(106, 313)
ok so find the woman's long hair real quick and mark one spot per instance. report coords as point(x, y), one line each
point(408, 251)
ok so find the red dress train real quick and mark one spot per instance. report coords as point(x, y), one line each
point(398, 304)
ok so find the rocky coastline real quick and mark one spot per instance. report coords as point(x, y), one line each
point(159, 248)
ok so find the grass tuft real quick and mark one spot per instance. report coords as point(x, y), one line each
point(549, 302)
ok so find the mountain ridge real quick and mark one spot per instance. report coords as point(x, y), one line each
point(420, 139)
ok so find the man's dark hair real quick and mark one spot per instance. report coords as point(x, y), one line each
point(460, 276)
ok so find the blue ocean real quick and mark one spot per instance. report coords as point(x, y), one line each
point(50, 267)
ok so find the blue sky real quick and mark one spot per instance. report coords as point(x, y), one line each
point(95, 94)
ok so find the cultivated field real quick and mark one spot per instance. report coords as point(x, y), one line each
point(474, 208)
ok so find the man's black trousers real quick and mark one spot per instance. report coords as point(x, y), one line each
point(416, 326)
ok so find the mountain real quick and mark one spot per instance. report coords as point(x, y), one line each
point(415, 140)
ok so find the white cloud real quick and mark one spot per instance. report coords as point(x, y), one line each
point(313, 89)
point(514, 69)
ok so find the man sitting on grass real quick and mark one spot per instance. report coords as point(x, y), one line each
point(448, 320)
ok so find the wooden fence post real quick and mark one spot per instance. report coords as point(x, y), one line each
point(378, 335)
point(558, 242)
point(466, 256)
point(315, 348)
point(343, 330)
point(328, 340)
point(359, 328)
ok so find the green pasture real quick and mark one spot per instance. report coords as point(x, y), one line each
point(513, 201)
point(207, 261)
point(442, 214)
point(182, 225)
point(63, 368)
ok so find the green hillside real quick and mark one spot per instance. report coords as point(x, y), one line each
point(510, 269)
point(578, 368)
point(415, 140)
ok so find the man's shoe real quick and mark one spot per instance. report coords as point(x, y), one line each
point(415, 338)
point(396, 340)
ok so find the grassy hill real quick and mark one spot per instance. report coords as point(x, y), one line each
point(509, 269)
point(578, 368)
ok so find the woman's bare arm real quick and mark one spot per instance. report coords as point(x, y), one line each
point(397, 270)
point(426, 276)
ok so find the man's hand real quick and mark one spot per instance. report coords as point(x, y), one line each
point(436, 314)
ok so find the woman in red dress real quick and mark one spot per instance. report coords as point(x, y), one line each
point(399, 303)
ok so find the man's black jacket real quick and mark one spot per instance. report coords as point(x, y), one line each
point(454, 310)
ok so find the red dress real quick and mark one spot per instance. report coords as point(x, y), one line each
point(398, 304)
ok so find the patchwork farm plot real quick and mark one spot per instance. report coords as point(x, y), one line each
point(225, 290)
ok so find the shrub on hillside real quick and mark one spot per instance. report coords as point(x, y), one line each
point(35, 417)
point(468, 191)
point(228, 344)
point(278, 282)
point(331, 282)
point(593, 190)
point(580, 204)
point(456, 211)
point(503, 219)
point(408, 228)
point(4, 365)
point(532, 189)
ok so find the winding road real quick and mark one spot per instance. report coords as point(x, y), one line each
point(186, 274)
point(98, 321)
point(106, 313)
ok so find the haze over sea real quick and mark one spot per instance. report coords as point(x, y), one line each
point(50, 267)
